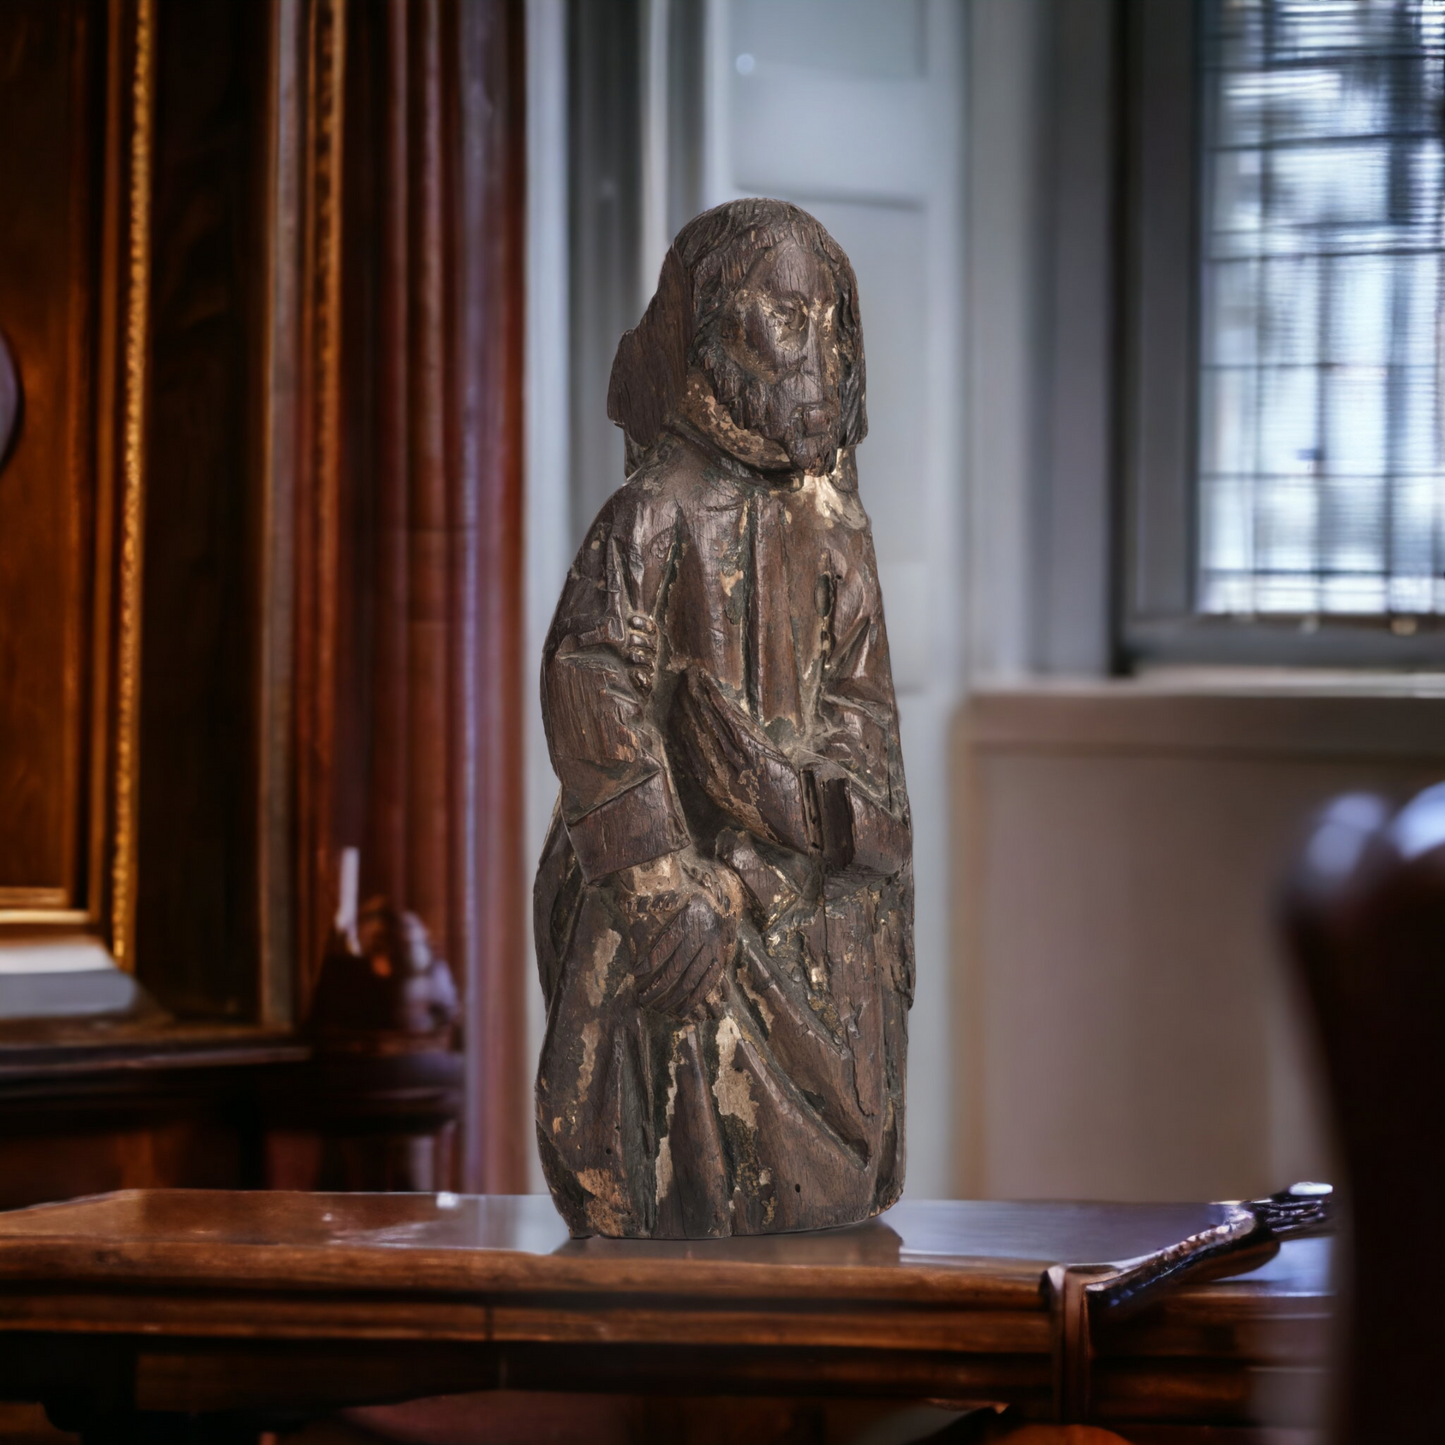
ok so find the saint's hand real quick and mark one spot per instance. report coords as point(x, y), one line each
point(640, 649)
point(684, 933)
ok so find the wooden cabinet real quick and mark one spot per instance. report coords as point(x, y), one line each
point(260, 586)
point(69, 547)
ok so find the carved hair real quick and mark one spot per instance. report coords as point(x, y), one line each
point(704, 266)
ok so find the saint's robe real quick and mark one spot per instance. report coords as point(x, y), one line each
point(766, 742)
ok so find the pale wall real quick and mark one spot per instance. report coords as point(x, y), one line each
point(1125, 1024)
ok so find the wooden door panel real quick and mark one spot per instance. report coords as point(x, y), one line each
point(48, 166)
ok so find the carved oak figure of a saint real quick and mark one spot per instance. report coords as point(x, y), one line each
point(724, 910)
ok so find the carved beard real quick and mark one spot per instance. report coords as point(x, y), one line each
point(768, 410)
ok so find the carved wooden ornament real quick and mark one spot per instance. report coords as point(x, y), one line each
point(724, 906)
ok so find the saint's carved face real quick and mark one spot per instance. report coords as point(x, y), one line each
point(780, 368)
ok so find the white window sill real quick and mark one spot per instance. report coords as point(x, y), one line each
point(1284, 712)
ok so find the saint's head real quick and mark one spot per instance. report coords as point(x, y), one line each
point(753, 338)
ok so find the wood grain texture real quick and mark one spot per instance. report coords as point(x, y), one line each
point(246, 1301)
point(724, 908)
point(432, 721)
point(318, 516)
point(196, 891)
point(384, 846)
point(170, 1107)
point(52, 105)
point(137, 45)
point(79, 169)
point(490, 114)
point(304, 346)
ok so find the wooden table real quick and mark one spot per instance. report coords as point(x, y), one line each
point(258, 1306)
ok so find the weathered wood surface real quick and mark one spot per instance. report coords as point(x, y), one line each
point(724, 908)
point(210, 1301)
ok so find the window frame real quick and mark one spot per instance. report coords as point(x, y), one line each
point(1158, 424)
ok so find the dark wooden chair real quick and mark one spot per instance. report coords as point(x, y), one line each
point(1364, 912)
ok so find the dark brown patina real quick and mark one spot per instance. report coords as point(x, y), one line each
point(724, 904)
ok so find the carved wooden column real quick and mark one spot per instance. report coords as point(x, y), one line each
point(419, 658)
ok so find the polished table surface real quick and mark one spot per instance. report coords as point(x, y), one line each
point(210, 1301)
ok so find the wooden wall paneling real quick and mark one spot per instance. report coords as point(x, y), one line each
point(128, 591)
point(317, 517)
point(160, 1145)
point(76, 97)
point(81, 174)
point(463, 226)
point(275, 420)
point(359, 391)
point(294, 391)
point(199, 211)
point(47, 297)
point(436, 554)
point(104, 407)
point(134, 1103)
point(179, 1112)
point(408, 831)
point(432, 523)
point(491, 113)
point(273, 309)
point(133, 324)
point(197, 908)
point(384, 866)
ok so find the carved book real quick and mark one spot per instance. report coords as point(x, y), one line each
point(724, 906)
